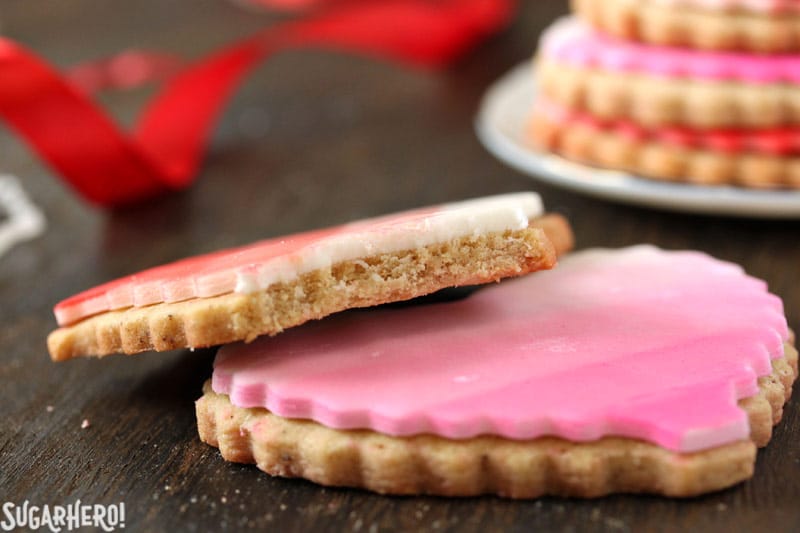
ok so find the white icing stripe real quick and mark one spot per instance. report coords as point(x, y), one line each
point(452, 221)
point(25, 221)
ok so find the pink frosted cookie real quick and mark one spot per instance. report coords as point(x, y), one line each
point(763, 26)
point(272, 285)
point(670, 113)
point(635, 370)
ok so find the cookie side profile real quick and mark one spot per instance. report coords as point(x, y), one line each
point(634, 370)
point(658, 101)
point(762, 27)
point(667, 155)
point(268, 287)
point(427, 464)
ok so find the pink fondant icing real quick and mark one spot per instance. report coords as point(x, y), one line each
point(638, 343)
point(573, 42)
point(250, 268)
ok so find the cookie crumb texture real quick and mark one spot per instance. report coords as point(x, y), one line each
point(427, 464)
point(358, 283)
point(648, 21)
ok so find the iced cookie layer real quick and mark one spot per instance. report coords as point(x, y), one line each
point(427, 464)
point(572, 42)
point(255, 267)
point(758, 27)
point(773, 141)
point(463, 250)
point(672, 156)
point(657, 101)
point(638, 343)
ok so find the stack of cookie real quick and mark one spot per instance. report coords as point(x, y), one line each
point(635, 370)
point(698, 91)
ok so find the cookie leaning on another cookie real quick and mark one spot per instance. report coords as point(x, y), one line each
point(635, 370)
point(267, 287)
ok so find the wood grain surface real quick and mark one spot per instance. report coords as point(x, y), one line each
point(313, 138)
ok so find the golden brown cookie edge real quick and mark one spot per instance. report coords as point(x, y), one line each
point(649, 22)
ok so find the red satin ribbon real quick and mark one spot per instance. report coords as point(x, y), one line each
point(109, 167)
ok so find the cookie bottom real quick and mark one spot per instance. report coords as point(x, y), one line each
point(426, 464)
point(650, 22)
point(659, 160)
point(364, 282)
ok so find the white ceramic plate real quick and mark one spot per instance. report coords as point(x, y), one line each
point(500, 124)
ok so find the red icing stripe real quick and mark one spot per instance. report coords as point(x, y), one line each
point(108, 166)
point(774, 141)
point(204, 275)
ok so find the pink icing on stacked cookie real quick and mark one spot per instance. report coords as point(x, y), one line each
point(577, 44)
point(712, 117)
point(639, 343)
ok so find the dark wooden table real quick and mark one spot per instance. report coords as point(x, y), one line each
point(313, 139)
